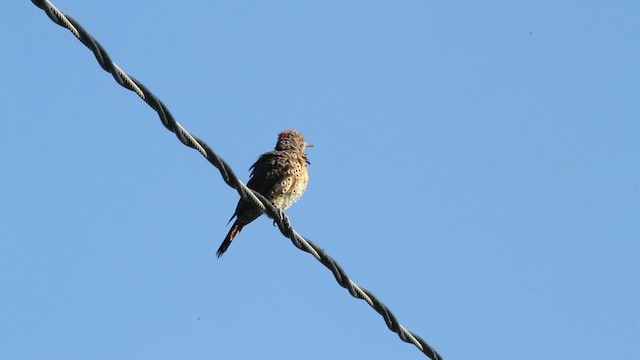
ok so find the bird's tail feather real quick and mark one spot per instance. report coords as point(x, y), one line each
point(235, 228)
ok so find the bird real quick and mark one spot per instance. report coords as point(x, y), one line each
point(280, 175)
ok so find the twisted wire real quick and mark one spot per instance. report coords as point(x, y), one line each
point(229, 177)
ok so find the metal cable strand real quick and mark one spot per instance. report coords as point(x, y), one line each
point(280, 219)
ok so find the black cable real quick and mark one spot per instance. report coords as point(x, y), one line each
point(230, 178)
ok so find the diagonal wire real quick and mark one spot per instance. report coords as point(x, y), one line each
point(230, 178)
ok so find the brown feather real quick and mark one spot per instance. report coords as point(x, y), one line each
point(279, 175)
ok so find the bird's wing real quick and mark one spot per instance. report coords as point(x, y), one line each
point(261, 180)
point(267, 172)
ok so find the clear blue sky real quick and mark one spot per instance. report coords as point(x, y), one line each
point(476, 167)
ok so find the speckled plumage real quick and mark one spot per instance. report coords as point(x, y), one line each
point(280, 175)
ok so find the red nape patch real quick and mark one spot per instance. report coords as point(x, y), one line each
point(284, 134)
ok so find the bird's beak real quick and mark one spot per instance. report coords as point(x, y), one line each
point(307, 144)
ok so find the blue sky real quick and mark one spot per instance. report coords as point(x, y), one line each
point(475, 167)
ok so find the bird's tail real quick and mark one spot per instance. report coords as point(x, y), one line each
point(235, 228)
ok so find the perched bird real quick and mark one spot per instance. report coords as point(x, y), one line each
point(280, 175)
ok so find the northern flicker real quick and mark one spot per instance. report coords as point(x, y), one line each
point(280, 175)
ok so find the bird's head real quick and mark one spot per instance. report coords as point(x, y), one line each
point(291, 140)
